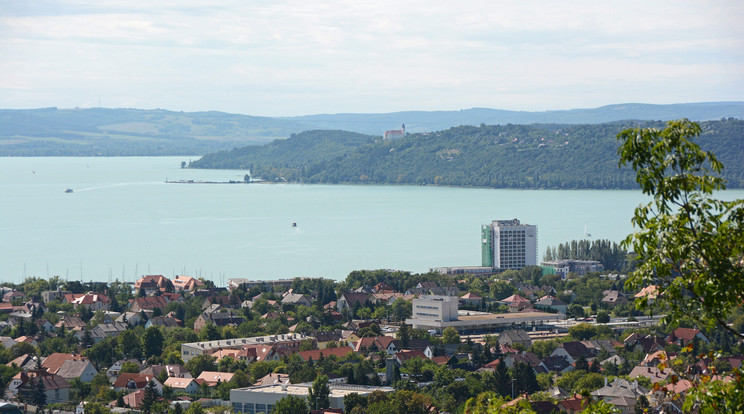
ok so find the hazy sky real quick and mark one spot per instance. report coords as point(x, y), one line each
point(296, 57)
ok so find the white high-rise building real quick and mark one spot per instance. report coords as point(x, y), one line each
point(508, 244)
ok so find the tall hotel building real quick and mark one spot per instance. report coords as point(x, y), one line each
point(508, 244)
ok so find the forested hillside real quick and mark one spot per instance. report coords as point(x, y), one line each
point(504, 156)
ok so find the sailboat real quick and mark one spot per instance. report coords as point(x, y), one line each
point(586, 234)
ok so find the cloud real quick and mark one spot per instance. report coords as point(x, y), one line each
point(292, 57)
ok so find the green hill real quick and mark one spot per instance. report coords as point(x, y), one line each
point(506, 156)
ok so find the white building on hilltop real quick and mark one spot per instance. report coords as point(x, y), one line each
point(508, 244)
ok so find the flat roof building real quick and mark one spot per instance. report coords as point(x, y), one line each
point(439, 312)
point(263, 398)
point(508, 244)
point(288, 341)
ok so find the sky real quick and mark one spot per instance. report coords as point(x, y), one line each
point(299, 57)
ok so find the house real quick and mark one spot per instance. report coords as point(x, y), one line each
point(134, 399)
point(317, 354)
point(92, 301)
point(152, 283)
point(551, 303)
point(56, 388)
point(172, 370)
point(115, 368)
point(471, 299)
point(376, 343)
point(69, 322)
point(653, 373)
point(82, 369)
point(133, 318)
point(52, 295)
point(405, 355)
point(528, 358)
point(620, 388)
point(14, 295)
point(186, 283)
point(556, 363)
point(213, 378)
point(683, 336)
point(184, 385)
point(164, 321)
point(296, 299)
point(222, 300)
point(227, 318)
point(512, 337)
point(130, 381)
point(516, 303)
point(614, 297)
point(148, 303)
point(273, 378)
point(650, 292)
point(7, 342)
point(104, 330)
point(54, 361)
point(25, 362)
point(572, 351)
point(350, 300)
point(325, 338)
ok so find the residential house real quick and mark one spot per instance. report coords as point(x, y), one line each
point(556, 363)
point(620, 388)
point(316, 354)
point(153, 283)
point(115, 369)
point(104, 330)
point(129, 381)
point(82, 369)
point(68, 322)
point(14, 295)
point(273, 378)
point(92, 301)
point(327, 337)
point(296, 299)
point(550, 303)
point(222, 300)
point(164, 321)
point(683, 336)
point(54, 361)
point(648, 292)
point(573, 350)
point(134, 399)
point(653, 373)
point(471, 299)
point(186, 283)
point(405, 355)
point(7, 342)
point(51, 295)
point(56, 388)
point(614, 297)
point(512, 337)
point(214, 378)
point(133, 318)
point(517, 303)
point(148, 303)
point(25, 362)
point(220, 319)
point(376, 343)
point(171, 370)
point(350, 300)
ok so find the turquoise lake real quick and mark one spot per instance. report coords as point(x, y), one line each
point(123, 220)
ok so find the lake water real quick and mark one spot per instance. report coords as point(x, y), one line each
point(123, 221)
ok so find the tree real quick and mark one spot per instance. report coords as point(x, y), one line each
point(688, 245)
point(201, 363)
point(152, 342)
point(291, 404)
point(450, 335)
point(317, 396)
point(603, 317)
point(151, 395)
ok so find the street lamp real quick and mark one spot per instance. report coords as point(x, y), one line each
point(512, 381)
